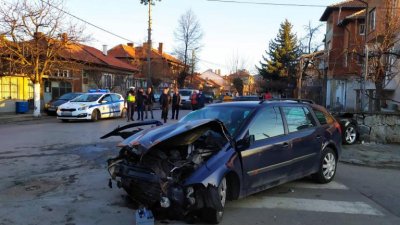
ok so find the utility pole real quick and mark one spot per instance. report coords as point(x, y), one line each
point(149, 83)
point(193, 58)
point(363, 78)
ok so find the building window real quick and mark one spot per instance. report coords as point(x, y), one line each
point(107, 81)
point(56, 73)
point(65, 87)
point(361, 29)
point(65, 73)
point(372, 20)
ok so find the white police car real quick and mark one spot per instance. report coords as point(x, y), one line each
point(92, 106)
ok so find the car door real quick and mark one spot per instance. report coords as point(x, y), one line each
point(106, 106)
point(265, 159)
point(117, 105)
point(305, 138)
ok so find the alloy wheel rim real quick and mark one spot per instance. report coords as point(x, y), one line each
point(222, 191)
point(329, 166)
point(350, 134)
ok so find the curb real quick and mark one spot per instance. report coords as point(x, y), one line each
point(381, 165)
point(22, 118)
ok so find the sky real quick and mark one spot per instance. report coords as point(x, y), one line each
point(229, 29)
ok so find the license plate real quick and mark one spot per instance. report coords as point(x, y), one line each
point(66, 113)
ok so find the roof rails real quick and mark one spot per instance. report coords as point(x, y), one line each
point(289, 99)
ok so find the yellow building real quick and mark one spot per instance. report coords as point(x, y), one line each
point(12, 89)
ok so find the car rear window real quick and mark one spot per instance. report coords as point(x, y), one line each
point(298, 118)
point(323, 118)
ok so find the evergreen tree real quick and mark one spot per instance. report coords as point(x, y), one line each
point(280, 60)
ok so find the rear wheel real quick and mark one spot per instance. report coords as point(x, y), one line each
point(350, 134)
point(123, 113)
point(327, 167)
point(214, 216)
point(95, 115)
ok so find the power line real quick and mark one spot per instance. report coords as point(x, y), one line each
point(268, 3)
point(87, 22)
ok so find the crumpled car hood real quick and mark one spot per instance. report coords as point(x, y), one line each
point(181, 133)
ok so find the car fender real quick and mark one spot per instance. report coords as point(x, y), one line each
point(212, 172)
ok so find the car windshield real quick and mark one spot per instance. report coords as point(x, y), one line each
point(232, 117)
point(185, 93)
point(87, 98)
point(69, 96)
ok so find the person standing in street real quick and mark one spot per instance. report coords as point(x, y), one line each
point(200, 100)
point(176, 102)
point(165, 99)
point(149, 102)
point(130, 104)
point(267, 95)
point(140, 99)
point(193, 100)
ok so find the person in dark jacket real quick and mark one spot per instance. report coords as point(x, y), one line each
point(165, 99)
point(176, 102)
point(201, 99)
point(193, 100)
point(140, 99)
point(149, 101)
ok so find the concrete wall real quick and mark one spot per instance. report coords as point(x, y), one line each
point(380, 128)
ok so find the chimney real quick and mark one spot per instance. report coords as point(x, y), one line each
point(64, 37)
point(38, 35)
point(130, 44)
point(104, 49)
point(160, 48)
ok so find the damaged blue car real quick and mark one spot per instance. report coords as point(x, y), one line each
point(224, 152)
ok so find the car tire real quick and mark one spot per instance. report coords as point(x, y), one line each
point(350, 134)
point(327, 166)
point(214, 216)
point(64, 120)
point(123, 113)
point(95, 115)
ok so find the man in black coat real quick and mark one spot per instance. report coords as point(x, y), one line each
point(140, 99)
point(149, 101)
point(176, 102)
point(165, 99)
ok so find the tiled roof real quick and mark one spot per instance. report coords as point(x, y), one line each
point(125, 51)
point(348, 4)
point(87, 54)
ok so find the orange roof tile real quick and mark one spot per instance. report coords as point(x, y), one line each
point(348, 4)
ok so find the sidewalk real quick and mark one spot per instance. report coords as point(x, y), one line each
point(13, 117)
point(374, 155)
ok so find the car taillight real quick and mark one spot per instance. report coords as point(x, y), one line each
point(337, 125)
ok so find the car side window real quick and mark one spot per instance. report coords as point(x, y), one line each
point(267, 123)
point(298, 118)
point(115, 97)
point(107, 98)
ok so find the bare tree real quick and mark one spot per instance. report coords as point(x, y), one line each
point(236, 62)
point(34, 33)
point(384, 50)
point(309, 47)
point(188, 34)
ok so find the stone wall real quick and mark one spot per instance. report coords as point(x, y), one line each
point(379, 128)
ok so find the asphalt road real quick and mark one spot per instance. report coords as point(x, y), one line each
point(54, 173)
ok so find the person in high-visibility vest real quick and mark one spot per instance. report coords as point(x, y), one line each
point(130, 103)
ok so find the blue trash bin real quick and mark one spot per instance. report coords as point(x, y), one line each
point(21, 107)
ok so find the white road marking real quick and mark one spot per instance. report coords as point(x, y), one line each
point(303, 184)
point(315, 205)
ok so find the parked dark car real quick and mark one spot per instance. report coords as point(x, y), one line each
point(209, 96)
point(52, 106)
point(224, 152)
point(349, 126)
point(247, 98)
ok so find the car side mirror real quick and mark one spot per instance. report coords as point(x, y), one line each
point(245, 142)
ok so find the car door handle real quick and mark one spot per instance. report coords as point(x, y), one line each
point(285, 145)
point(318, 137)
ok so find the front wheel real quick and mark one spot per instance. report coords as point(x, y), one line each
point(327, 167)
point(214, 216)
point(95, 115)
